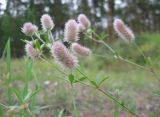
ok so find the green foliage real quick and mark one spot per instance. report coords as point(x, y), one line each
point(25, 103)
point(71, 78)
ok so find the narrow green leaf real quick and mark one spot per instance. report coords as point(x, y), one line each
point(25, 90)
point(8, 57)
point(42, 46)
point(71, 78)
point(60, 113)
point(28, 69)
point(103, 36)
point(25, 41)
point(80, 79)
point(39, 108)
point(18, 95)
point(103, 79)
point(35, 92)
point(94, 83)
point(38, 45)
point(1, 111)
point(27, 96)
point(149, 61)
point(7, 53)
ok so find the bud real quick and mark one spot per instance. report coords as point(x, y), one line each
point(71, 31)
point(84, 20)
point(63, 56)
point(47, 22)
point(80, 50)
point(29, 29)
point(123, 31)
point(31, 51)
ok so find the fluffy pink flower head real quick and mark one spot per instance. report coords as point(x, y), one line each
point(31, 51)
point(63, 56)
point(123, 31)
point(84, 20)
point(47, 22)
point(80, 50)
point(81, 27)
point(29, 29)
point(71, 31)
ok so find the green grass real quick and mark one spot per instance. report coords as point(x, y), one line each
point(133, 85)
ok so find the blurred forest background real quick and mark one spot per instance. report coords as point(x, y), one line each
point(140, 15)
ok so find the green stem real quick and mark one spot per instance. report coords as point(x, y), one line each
point(109, 47)
point(109, 96)
point(115, 53)
point(130, 62)
point(122, 59)
point(32, 38)
point(118, 102)
point(51, 35)
point(126, 60)
point(4, 105)
point(83, 75)
point(75, 112)
point(150, 62)
point(39, 38)
point(116, 106)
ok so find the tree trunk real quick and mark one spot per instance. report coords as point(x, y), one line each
point(111, 13)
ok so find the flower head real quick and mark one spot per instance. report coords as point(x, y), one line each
point(47, 22)
point(29, 29)
point(80, 50)
point(71, 31)
point(84, 20)
point(31, 51)
point(63, 56)
point(123, 31)
point(81, 27)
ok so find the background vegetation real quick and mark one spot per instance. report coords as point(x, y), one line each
point(140, 15)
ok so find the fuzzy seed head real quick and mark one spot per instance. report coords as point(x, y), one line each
point(63, 56)
point(71, 31)
point(47, 22)
point(80, 50)
point(123, 31)
point(31, 51)
point(29, 29)
point(84, 20)
point(81, 27)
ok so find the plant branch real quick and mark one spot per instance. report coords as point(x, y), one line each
point(109, 95)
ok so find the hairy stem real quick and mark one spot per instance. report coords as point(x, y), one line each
point(117, 101)
point(117, 56)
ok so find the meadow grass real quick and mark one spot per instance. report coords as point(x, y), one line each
point(135, 86)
